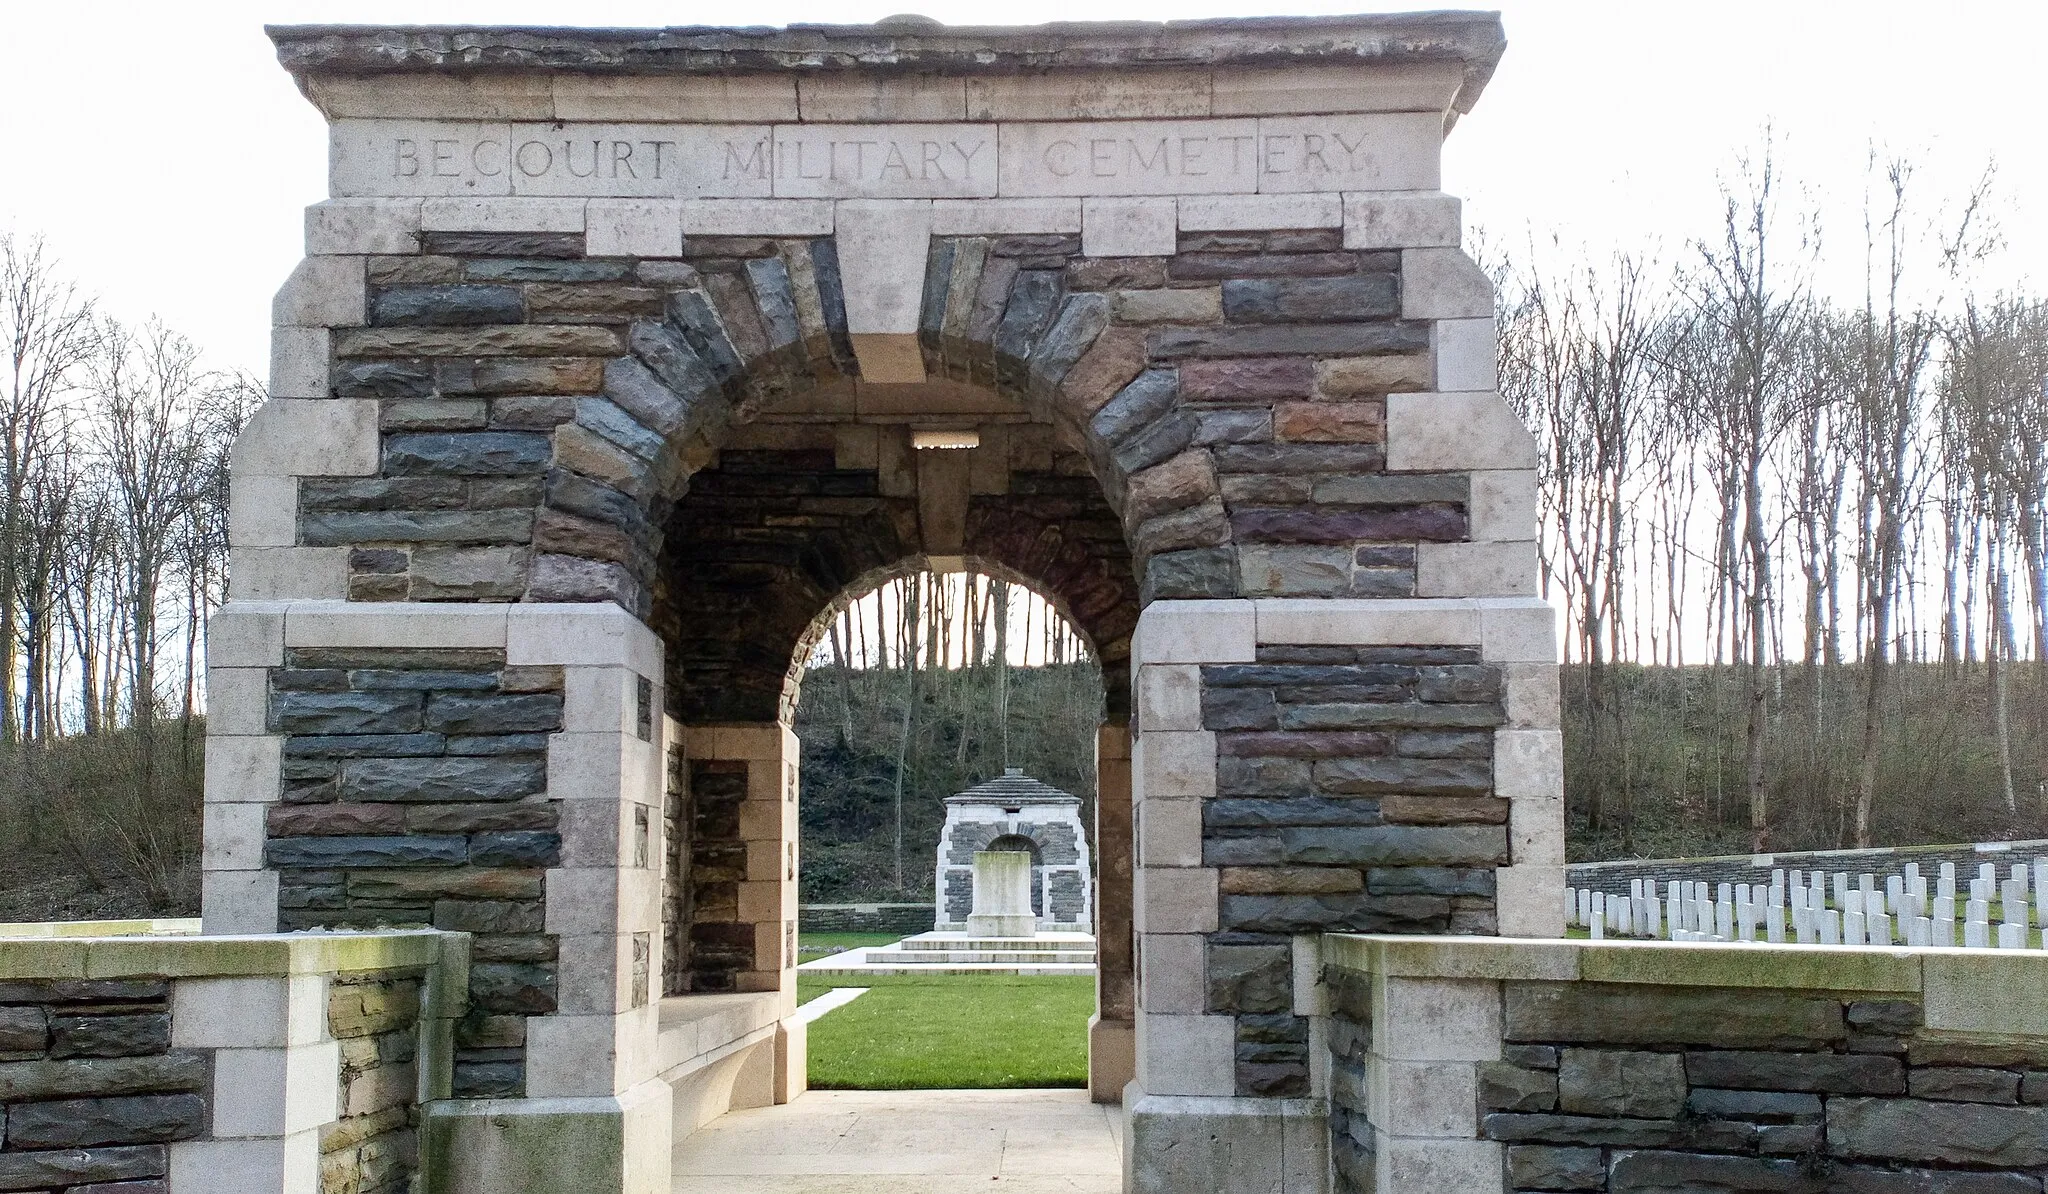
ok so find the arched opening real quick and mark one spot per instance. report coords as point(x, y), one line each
point(778, 558)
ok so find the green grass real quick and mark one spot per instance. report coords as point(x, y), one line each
point(951, 1031)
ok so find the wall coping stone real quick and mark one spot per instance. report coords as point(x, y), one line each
point(1974, 992)
point(163, 926)
point(275, 954)
point(904, 46)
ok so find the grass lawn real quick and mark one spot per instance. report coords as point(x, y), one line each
point(951, 1031)
point(817, 945)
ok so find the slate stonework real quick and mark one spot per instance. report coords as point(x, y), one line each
point(415, 794)
point(91, 1093)
point(1642, 1088)
point(1354, 793)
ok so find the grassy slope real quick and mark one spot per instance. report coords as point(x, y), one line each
point(951, 1031)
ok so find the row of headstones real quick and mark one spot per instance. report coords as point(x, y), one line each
point(1795, 907)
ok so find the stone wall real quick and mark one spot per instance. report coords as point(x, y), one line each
point(1554, 1066)
point(225, 1065)
point(373, 1148)
point(91, 1092)
point(415, 793)
point(903, 919)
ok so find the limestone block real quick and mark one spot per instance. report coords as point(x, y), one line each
point(323, 292)
point(757, 217)
point(885, 161)
point(1455, 432)
point(1536, 829)
point(1088, 96)
point(340, 227)
point(1381, 151)
point(243, 768)
point(1005, 217)
point(1173, 765)
point(287, 573)
point(600, 902)
point(1502, 505)
point(622, 1143)
point(1177, 1144)
point(274, 1092)
point(501, 213)
point(1402, 220)
point(232, 836)
point(1343, 622)
point(1380, 87)
point(1174, 976)
point(1518, 630)
point(605, 768)
point(570, 1055)
point(309, 437)
point(263, 511)
point(1187, 1055)
point(238, 901)
point(1443, 283)
point(1528, 763)
point(596, 976)
point(1436, 1019)
point(1130, 158)
point(1170, 833)
point(1467, 355)
point(1431, 1098)
point(1311, 994)
point(633, 228)
point(1528, 900)
point(600, 700)
point(696, 98)
point(1196, 631)
point(1169, 697)
point(863, 98)
point(259, 1166)
point(882, 249)
point(494, 96)
point(1432, 1165)
point(298, 362)
point(236, 700)
point(395, 624)
point(1241, 213)
point(246, 634)
point(592, 634)
point(265, 1012)
point(1533, 701)
point(1476, 569)
point(1177, 900)
point(1128, 227)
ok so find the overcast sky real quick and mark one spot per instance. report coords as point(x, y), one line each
point(166, 158)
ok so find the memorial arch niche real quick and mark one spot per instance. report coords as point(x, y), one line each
point(591, 316)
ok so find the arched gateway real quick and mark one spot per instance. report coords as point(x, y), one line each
point(609, 369)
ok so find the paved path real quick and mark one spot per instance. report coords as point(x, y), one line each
point(926, 1141)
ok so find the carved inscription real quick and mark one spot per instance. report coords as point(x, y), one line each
point(1385, 151)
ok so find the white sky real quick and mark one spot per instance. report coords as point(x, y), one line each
point(166, 158)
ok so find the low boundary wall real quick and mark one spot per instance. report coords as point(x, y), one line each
point(230, 1065)
point(1484, 1065)
point(866, 918)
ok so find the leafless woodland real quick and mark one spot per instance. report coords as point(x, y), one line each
point(1799, 540)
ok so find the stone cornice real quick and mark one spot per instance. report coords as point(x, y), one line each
point(903, 46)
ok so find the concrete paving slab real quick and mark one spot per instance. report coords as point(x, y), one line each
point(926, 1141)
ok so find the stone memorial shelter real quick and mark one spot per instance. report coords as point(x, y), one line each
point(1016, 812)
point(620, 359)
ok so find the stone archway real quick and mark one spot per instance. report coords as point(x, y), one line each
point(574, 286)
